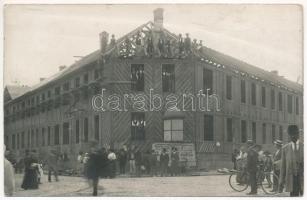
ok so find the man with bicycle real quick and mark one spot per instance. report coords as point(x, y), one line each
point(252, 165)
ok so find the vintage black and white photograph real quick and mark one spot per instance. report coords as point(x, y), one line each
point(153, 100)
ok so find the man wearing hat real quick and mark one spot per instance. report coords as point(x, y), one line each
point(252, 161)
point(276, 163)
point(292, 164)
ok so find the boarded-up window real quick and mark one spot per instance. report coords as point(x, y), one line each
point(264, 133)
point(66, 133)
point(85, 130)
point(228, 87)
point(272, 99)
point(253, 94)
point(96, 126)
point(243, 91)
point(290, 104)
point(263, 96)
point(138, 124)
point(208, 128)
point(229, 130)
point(243, 131)
point(137, 77)
point(173, 130)
point(56, 134)
point(280, 101)
point(208, 81)
point(254, 132)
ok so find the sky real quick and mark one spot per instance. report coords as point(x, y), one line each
point(40, 38)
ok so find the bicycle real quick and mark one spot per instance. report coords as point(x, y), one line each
point(238, 181)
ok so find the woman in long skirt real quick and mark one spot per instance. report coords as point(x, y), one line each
point(30, 180)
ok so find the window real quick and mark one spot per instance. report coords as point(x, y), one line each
point(85, 129)
point(29, 139)
point(280, 101)
point(173, 130)
point(96, 74)
point(243, 91)
point(43, 136)
point(263, 96)
point(137, 77)
point(273, 133)
point(208, 128)
point(272, 99)
point(66, 86)
point(77, 131)
point(57, 134)
point(280, 133)
point(289, 101)
point(228, 87)
point(96, 125)
point(13, 142)
point(264, 133)
point(43, 97)
point(23, 140)
point(49, 136)
point(77, 82)
point(243, 131)
point(85, 78)
point(32, 138)
point(66, 133)
point(168, 78)
point(49, 94)
point(208, 81)
point(254, 132)
point(18, 141)
point(138, 124)
point(229, 130)
point(253, 91)
point(57, 91)
point(297, 106)
point(37, 136)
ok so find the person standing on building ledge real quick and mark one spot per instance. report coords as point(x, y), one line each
point(292, 164)
point(251, 166)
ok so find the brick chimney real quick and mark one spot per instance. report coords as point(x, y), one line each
point(41, 79)
point(158, 19)
point(104, 38)
point(62, 67)
point(275, 72)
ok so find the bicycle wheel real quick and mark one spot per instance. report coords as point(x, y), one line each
point(267, 183)
point(238, 182)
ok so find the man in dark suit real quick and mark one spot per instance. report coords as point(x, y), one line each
point(292, 164)
point(276, 163)
point(251, 167)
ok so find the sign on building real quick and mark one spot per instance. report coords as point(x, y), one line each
point(186, 151)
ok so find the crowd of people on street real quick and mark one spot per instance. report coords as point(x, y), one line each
point(287, 163)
